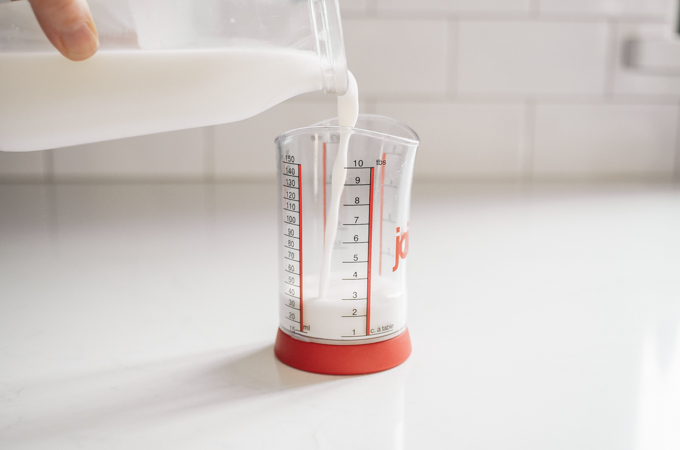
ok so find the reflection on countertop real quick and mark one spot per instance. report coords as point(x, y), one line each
point(143, 316)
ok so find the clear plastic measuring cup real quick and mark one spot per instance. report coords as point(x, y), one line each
point(359, 325)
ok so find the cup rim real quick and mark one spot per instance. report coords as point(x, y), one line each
point(360, 131)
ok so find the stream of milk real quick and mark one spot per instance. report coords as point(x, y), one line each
point(331, 313)
point(348, 113)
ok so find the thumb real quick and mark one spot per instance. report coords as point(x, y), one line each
point(69, 26)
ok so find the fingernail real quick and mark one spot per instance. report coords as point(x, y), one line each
point(80, 43)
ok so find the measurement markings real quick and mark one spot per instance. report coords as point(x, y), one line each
point(357, 184)
point(352, 279)
point(385, 332)
point(370, 251)
point(352, 299)
point(382, 197)
point(354, 224)
point(292, 177)
point(359, 168)
point(300, 244)
point(324, 195)
point(355, 242)
point(358, 204)
point(355, 316)
point(354, 262)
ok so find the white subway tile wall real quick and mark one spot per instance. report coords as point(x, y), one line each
point(397, 57)
point(654, 8)
point(605, 140)
point(178, 154)
point(454, 5)
point(497, 89)
point(353, 6)
point(530, 57)
point(22, 166)
point(635, 81)
point(465, 140)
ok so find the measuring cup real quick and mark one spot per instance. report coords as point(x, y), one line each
point(357, 322)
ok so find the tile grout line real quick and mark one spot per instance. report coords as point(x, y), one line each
point(453, 36)
point(676, 159)
point(51, 184)
point(611, 57)
point(535, 8)
point(209, 151)
point(526, 150)
point(566, 99)
point(48, 162)
point(371, 10)
point(371, 105)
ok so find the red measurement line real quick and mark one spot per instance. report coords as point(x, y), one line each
point(382, 195)
point(324, 194)
point(370, 240)
point(302, 328)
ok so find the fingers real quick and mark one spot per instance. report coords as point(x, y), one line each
point(69, 26)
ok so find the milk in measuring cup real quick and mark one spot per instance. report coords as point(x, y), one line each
point(329, 316)
point(348, 112)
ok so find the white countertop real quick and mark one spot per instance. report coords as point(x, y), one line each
point(143, 317)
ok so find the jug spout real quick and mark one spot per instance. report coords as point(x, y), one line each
point(330, 45)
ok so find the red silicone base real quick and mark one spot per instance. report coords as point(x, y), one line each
point(342, 359)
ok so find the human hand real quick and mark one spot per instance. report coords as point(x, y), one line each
point(69, 26)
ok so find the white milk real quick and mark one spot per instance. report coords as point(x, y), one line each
point(331, 319)
point(47, 101)
point(348, 112)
